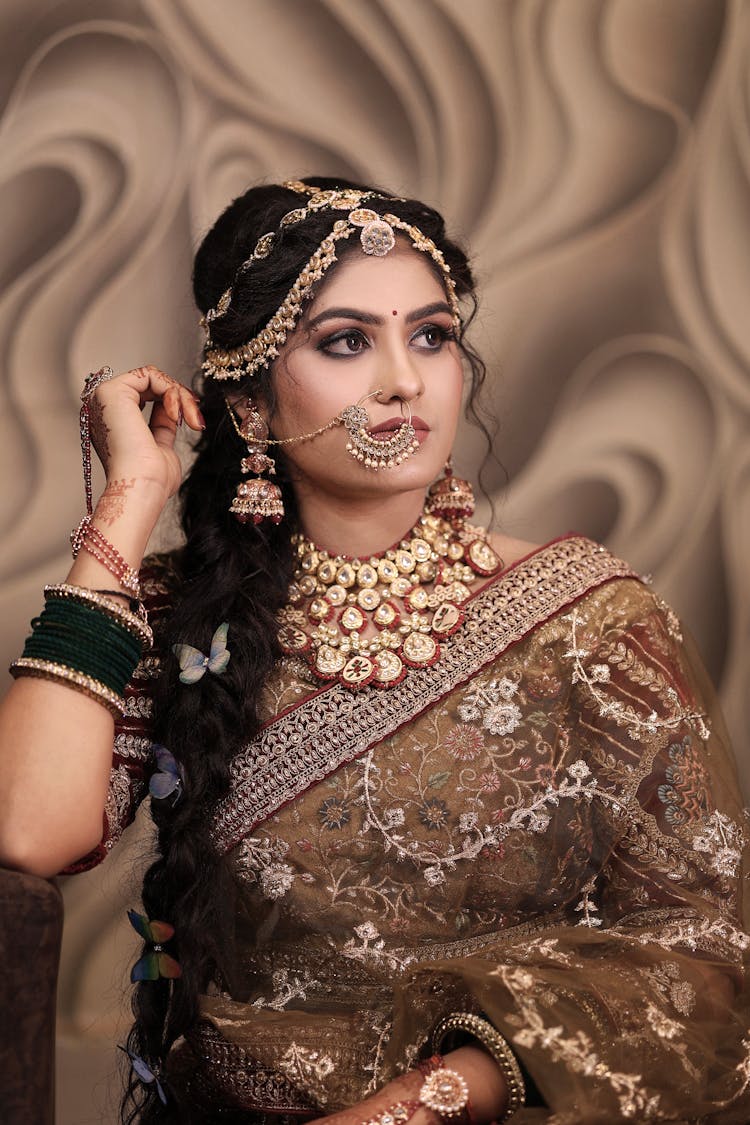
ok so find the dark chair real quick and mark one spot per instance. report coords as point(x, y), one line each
point(31, 919)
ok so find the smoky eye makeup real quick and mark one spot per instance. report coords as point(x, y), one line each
point(343, 343)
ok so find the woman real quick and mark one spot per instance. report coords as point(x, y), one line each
point(446, 824)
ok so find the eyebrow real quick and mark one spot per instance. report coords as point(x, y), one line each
point(363, 317)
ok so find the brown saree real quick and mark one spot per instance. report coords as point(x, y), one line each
point(543, 827)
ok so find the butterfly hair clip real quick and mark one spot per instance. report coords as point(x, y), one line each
point(155, 962)
point(168, 779)
point(194, 664)
point(146, 1074)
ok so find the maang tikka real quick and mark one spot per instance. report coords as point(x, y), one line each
point(256, 500)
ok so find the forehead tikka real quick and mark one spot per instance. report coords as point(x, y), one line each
point(377, 237)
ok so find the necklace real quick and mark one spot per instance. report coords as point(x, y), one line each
point(362, 621)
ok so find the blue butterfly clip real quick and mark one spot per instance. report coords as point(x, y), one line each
point(145, 1073)
point(194, 664)
point(168, 777)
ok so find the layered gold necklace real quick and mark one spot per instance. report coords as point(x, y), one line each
point(362, 621)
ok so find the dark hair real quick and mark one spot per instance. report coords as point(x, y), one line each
point(236, 573)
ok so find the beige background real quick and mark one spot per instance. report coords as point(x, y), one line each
point(596, 155)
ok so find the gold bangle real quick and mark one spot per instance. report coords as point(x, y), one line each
point(496, 1045)
point(79, 681)
point(135, 624)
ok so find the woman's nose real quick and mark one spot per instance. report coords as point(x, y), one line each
point(400, 377)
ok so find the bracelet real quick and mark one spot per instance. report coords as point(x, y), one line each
point(90, 383)
point(397, 1114)
point(427, 1066)
point(88, 537)
point(446, 1093)
point(134, 604)
point(59, 673)
point(136, 622)
point(496, 1045)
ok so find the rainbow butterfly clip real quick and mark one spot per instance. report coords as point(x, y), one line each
point(194, 664)
point(155, 962)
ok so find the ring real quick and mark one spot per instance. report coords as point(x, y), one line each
point(94, 379)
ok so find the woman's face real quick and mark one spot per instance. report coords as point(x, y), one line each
point(378, 324)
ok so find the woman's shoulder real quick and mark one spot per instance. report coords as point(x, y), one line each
point(512, 550)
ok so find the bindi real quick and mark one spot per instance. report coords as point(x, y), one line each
point(395, 312)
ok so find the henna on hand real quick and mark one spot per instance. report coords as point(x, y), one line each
point(112, 501)
point(99, 431)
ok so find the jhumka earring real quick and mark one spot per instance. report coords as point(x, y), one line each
point(256, 500)
point(450, 497)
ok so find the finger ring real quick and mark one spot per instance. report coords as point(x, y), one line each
point(94, 379)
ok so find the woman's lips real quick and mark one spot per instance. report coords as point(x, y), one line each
point(384, 430)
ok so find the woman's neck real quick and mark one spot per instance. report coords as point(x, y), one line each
point(359, 528)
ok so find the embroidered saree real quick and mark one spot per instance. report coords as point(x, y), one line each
point(544, 827)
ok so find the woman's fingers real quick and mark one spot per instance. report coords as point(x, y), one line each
point(154, 385)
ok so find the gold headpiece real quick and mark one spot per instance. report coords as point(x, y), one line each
point(376, 236)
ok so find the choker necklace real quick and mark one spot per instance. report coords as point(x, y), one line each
point(362, 621)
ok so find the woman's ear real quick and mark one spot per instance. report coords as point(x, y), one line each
point(242, 404)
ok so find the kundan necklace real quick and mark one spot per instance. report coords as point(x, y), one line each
point(362, 621)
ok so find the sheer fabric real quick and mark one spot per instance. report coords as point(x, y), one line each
point(544, 827)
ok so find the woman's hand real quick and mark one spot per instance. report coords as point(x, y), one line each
point(488, 1092)
point(129, 447)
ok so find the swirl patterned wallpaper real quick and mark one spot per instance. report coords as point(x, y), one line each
point(594, 153)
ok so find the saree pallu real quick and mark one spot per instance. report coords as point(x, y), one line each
point(544, 827)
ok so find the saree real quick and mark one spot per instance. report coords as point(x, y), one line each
point(543, 828)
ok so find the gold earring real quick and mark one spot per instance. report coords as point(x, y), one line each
point(450, 498)
point(256, 500)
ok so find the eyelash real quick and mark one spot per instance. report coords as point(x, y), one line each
point(444, 335)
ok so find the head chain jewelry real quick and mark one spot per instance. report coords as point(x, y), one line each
point(377, 237)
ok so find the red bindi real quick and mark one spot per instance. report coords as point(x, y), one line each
point(395, 312)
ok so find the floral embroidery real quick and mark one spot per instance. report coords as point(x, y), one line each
point(302, 1063)
point(684, 793)
point(575, 1050)
point(276, 879)
point(666, 978)
point(587, 907)
point(722, 840)
point(491, 705)
point(625, 714)
point(434, 813)
point(286, 987)
point(372, 948)
point(334, 813)
point(259, 861)
point(464, 742)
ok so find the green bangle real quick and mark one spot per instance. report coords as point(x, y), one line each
point(81, 639)
point(135, 622)
point(495, 1044)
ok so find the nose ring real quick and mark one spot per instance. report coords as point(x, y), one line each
point(376, 453)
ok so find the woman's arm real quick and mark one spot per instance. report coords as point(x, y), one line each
point(56, 743)
point(488, 1094)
